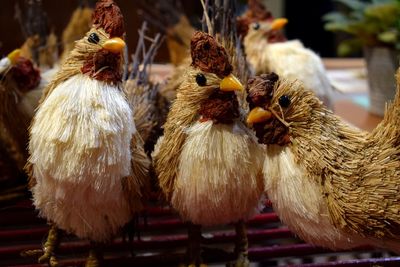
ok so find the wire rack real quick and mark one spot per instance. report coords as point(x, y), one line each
point(163, 240)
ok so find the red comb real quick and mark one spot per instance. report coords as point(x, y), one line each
point(208, 55)
point(108, 16)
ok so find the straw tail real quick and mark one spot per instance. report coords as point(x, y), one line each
point(389, 129)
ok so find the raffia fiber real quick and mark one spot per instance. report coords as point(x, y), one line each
point(269, 51)
point(219, 180)
point(143, 95)
point(168, 159)
point(258, 11)
point(14, 123)
point(20, 88)
point(207, 161)
point(290, 60)
point(352, 173)
point(137, 187)
point(75, 60)
point(222, 16)
point(80, 155)
point(182, 114)
point(222, 175)
point(87, 166)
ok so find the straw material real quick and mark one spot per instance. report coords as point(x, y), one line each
point(14, 124)
point(267, 50)
point(18, 81)
point(218, 179)
point(333, 182)
point(87, 165)
point(203, 163)
point(80, 154)
point(290, 60)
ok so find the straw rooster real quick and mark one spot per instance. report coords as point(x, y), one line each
point(21, 85)
point(267, 50)
point(86, 166)
point(333, 185)
point(19, 82)
point(205, 160)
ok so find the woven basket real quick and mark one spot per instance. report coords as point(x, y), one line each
point(382, 64)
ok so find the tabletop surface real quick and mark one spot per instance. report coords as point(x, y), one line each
point(351, 97)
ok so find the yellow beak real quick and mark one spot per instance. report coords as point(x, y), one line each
point(114, 45)
point(230, 83)
point(258, 115)
point(278, 24)
point(14, 55)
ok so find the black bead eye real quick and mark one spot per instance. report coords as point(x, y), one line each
point(256, 26)
point(284, 101)
point(201, 79)
point(93, 38)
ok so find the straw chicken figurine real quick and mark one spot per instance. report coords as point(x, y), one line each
point(21, 85)
point(206, 162)
point(267, 50)
point(333, 185)
point(86, 168)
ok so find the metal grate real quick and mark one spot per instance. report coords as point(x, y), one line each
point(163, 240)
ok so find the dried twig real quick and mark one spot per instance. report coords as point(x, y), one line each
point(141, 92)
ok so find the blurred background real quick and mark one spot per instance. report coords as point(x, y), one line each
point(305, 22)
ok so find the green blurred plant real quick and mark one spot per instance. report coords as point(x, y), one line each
point(369, 22)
